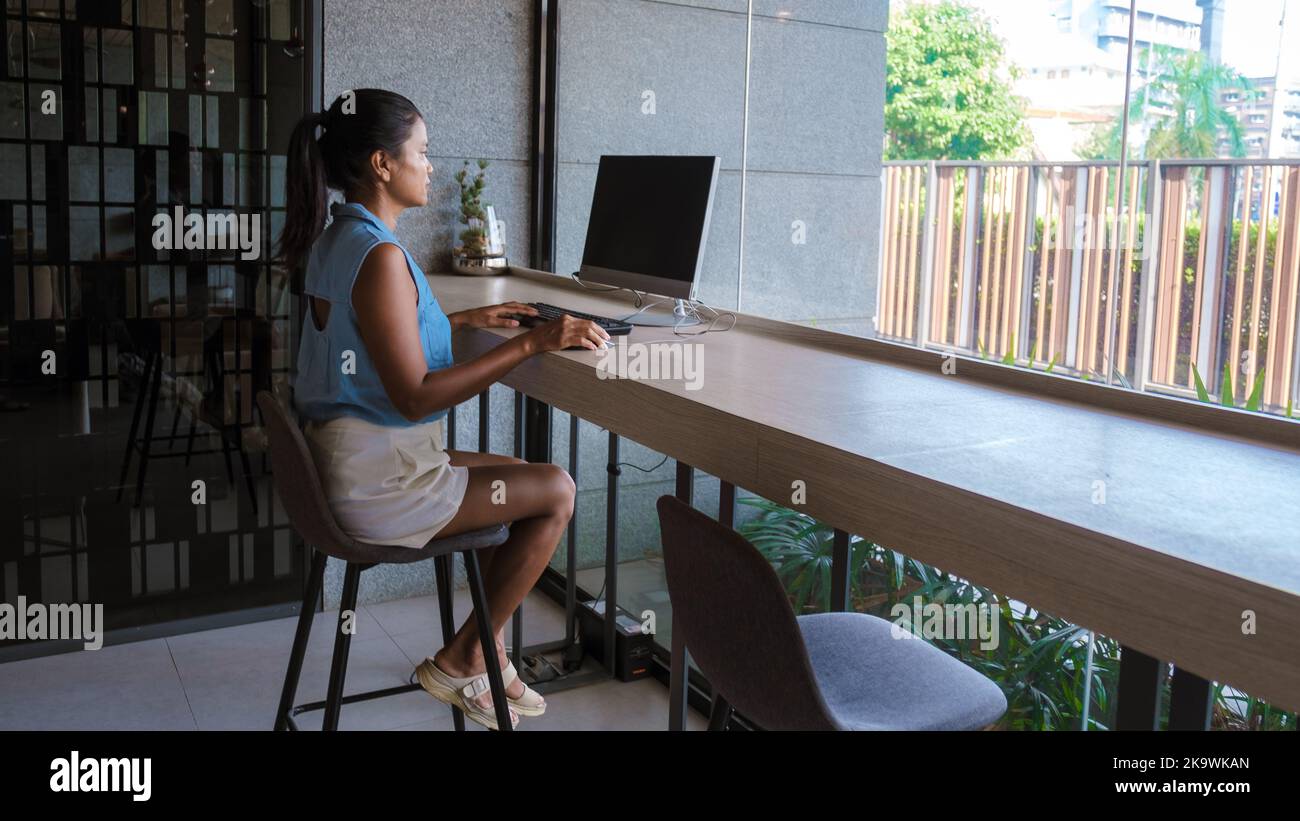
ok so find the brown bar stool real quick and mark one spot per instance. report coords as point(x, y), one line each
point(823, 671)
point(299, 486)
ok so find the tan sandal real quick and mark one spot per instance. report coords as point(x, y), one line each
point(461, 692)
point(530, 702)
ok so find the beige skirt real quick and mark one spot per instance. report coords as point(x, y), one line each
point(387, 485)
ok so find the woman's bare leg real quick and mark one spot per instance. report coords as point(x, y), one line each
point(538, 500)
point(473, 458)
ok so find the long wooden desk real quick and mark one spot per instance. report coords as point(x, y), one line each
point(995, 484)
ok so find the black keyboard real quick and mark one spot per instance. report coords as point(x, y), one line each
point(545, 313)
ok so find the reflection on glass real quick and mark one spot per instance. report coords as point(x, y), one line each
point(118, 68)
point(45, 124)
point(90, 54)
point(178, 61)
point(153, 117)
point(119, 175)
point(11, 110)
point(161, 181)
point(227, 179)
point(221, 64)
point(112, 112)
point(196, 121)
point(217, 19)
point(38, 171)
point(245, 125)
point(278, 163)
point(39, 248)
point(250, 177)
point(44, 51)
point(92, 115)
point(84, 268)
point(21, 236)
point(37, 8)
point(46, 292)
point(160, 61)
point(158, 289)
point(22, 299)
point(119, 233)
point(14, 44)
point(13, 177)
point(213, 121)
point(153, 14)
point(280, 17)
point(196, 177)
point(83, 233)
point(83, 174)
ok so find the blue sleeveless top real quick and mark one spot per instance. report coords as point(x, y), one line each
point(329, 382)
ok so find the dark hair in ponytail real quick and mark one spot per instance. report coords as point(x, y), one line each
point(374, 120)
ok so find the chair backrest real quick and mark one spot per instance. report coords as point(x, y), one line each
point(737, 621)
point(299, 485)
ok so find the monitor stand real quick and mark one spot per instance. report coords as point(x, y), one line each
point(658, 317)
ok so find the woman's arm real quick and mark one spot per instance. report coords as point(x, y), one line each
point(490, 316)
point(383, 296)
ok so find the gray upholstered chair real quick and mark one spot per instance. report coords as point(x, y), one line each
point(300, 491)
point(826, 671)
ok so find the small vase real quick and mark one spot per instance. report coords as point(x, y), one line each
point(478, 264)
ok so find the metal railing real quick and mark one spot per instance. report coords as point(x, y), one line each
point(1018, 261)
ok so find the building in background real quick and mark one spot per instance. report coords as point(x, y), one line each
point(1071, 59)
point(1269, 117)
point(1171, 23)
point(1284, 115)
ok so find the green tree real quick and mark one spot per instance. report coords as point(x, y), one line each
point(1179, 109)
point(947, 94)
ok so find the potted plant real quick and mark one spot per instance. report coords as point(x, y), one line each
point(480, 250)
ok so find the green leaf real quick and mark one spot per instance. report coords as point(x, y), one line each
point(1227, 394)
point(1201, 393)
point(1256, 398)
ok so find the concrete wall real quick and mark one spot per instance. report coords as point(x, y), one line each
point(816, 98)
point(815, 119)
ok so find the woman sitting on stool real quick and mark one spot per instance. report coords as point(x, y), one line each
point(375, 378)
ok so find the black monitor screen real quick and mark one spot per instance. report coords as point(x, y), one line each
point(649, 215)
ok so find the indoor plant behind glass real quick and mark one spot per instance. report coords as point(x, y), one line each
point(480, 250)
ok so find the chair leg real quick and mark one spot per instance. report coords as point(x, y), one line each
point(315, 577)
point(140, 399)
point(442, 568)
point(225, 454)
point(189, 440)
point(342, 642)
point(248, 474)
point(488, 639)
point(145, 444)
point(517, 637)
point(719, 713)
point(176, 422)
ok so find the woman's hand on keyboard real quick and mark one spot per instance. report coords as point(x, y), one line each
point(491, 316)
point(567, 332)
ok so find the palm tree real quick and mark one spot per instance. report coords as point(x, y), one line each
point(1190, 89)
point(1180, 109)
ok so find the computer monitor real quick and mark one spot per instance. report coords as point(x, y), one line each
point(649, 223)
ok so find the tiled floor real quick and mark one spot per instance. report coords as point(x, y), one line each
point(230, 678)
